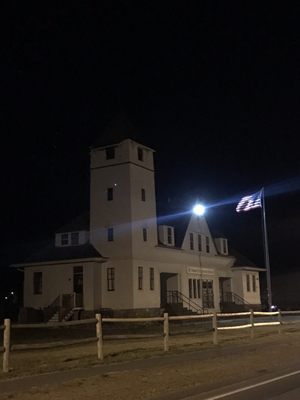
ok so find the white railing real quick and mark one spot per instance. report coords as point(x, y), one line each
point(215, 318)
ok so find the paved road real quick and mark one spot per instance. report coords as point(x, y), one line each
point(281, 387)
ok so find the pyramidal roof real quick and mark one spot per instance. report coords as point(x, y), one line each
point(118, 129)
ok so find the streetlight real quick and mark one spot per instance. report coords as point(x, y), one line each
point(199, 209)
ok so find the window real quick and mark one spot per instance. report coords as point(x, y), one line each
point(248, 283)
point(199, 288)
point(207, 244)
point(37, 282)
point(140, 278)
point(195, 288)
point(199, 243)
point(64, 239)
point(190, 288)
point(191, 241)
point(140, 154)
point(169, 235)
point(110, 153)
point(110, 194)
point(224, 246)
point(110, 279)
point(151, 278)
point(110, 234)
point(254, 283)
point(145, 235)
point(143, 194)
point(74, 238)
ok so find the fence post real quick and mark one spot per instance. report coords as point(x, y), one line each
point(99, 334)
point(166, 332)
point(6, 345)
point(252, 324)
point(280, 322)
point(215, 328)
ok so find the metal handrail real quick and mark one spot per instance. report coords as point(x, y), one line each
point(181, 298)
point(234, 298)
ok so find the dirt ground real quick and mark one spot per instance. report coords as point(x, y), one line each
point(192, 362)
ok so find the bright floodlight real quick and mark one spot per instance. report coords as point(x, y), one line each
point(199, 209)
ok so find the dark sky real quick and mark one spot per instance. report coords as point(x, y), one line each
point(213, 88)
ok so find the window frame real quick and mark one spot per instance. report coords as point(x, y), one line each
point(207, 244)
point(140, 277)
point(192, 241)
point(110, 277)
point(151, 272)
point(140, 153)
point(37, 282)
point(143, 194)
point(74, 242)
point(145, 234)
point(248, 284)
point(110, 194)
point(64, 239)
point(110, 153)
point(110, 234)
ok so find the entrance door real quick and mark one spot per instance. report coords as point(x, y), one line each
point(208, 293)
point(168, 288)
point(78, 286)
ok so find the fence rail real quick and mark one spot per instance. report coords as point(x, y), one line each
point(215, 319)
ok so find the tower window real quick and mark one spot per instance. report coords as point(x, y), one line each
point(224, 246)
point(143, 194)
point(145, 234)
point(191, 241)
point(151, 278)
point(110, 153)
point(140, 153)
point(110, 279)
point(110, 234)
point(254, 283)
point(140, 278)
point(74, 238)
point(110, 194)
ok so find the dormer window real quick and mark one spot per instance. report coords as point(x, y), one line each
point(64, 239)
point(140, 153)
point(74, 238)
point(110, 153)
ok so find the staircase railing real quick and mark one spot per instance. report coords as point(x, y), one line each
point(176, 297)
point(53, 308)
point(230, 297)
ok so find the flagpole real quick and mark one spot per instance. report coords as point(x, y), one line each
point(266, 251)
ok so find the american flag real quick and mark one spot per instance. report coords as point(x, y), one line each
point(249, 202)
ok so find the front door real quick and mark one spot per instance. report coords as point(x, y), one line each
point(208, 294)
point(78, 286)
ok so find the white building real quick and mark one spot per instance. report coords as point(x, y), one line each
point(124, 261)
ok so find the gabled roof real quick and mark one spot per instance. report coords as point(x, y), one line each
point(180, 223)
point(80, 223)
point(241, 260)
point(51, 253)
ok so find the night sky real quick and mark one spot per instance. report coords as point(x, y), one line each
point(213, 88)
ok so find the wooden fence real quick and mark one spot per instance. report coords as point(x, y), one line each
point(215, 318)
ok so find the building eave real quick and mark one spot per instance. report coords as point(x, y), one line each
point(60, 262)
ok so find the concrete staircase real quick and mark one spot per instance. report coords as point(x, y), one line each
point(178, 309)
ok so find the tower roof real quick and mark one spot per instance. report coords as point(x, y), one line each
point(118, 129)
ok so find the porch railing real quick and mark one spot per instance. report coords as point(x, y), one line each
point(230, 297)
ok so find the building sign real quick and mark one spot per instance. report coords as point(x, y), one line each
point(199, 271)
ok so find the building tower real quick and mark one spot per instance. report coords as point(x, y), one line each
point(122, 200)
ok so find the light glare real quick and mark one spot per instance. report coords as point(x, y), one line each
point(199, 209)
